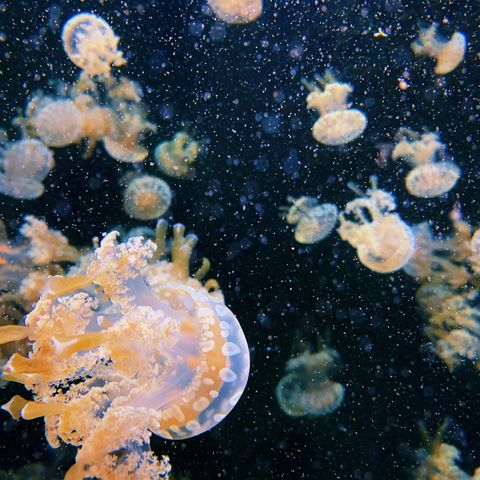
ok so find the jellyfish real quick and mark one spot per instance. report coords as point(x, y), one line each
point(338, 123)
point(429, 177)
point(127, 345)
point(448, 53)
point(91, 44)
point(313, 221)
point(176, 157)
point(306, 388)
point(147, 197)
point(236, 11)
point(384, 242)
point(24, 165)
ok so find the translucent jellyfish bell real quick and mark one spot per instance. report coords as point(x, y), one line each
point(313, 221)
point(91, 44)
point(147, 198)
point(176, 157)
point(448, 53)
point(306, 388)
point(383, 241)
point(25, 165)
point(236, 11)
point(429, 178)
point(338, 123)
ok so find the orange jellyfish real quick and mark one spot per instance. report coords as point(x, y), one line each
point(448, 53)
point(24, 165)
point(176, 157)
point(306, 388)
point(338, 123)
point(236, 11)
point(313, 221)
point(429, 178)
point(384, 242)
point(123, 348)
point(91, 44)
point(147, 198)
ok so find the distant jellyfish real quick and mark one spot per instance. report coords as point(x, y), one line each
point(24, 165)
point(313, 221)
point(448, 53)
point(147, 198)
point(431, 177)
point(306, 388)
point(338, 123)
point(384, 242)
point(91, 44)
point(58, 123)
point(176, 157)
point(236, 11)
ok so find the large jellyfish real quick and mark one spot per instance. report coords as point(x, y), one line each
point(338, 123)
point(126, 345)
point(313, 221)
point(147, 197)
point(306, 388)
point(448, 53)
point(23, 167)
point(431, 176)
point(236, 11)
point(384, 242)
point(176, 157)
point(91, 44)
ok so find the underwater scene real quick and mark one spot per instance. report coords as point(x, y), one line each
point(239, 239)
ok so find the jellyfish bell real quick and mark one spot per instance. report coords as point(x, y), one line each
point(91, 44)
point(448, 53)
point(317, 224)
point(432, 180)
point(147, 198)
point(338, 128)
point(236, 11)
point(22, 188)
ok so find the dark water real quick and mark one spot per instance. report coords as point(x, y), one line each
point(238, 88)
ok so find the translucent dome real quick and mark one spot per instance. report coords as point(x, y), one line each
point(91, 44)
point(175, 158)
point(147, 198)
point(432, 179)
point(236, 11)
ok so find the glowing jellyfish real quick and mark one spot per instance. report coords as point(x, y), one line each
point(429, 178)
point(125, 346)
point(383, 241)
point(176, 157)
point(306, 388)
point(313, 221)
point(338, 123)
point(448, 53)
point(236, 11)
point(91, 44)
point(147, 198)
point(24, 165)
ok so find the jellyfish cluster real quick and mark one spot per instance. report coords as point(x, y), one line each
point(306, 389)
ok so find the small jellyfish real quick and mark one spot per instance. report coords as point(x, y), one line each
point(236, 11)
point(383, 241)
point(448, 53)
point(24, 165)
point(91, 44)
point(313, 221)
point(338, 123)
point(176, 157)
point(58, 123)
point(306, 388)
point(429, 178)
point(147, 198)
